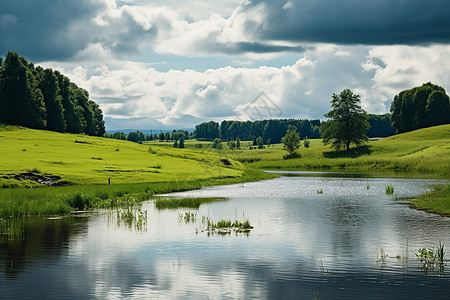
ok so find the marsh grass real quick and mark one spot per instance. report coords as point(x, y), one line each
point(436, 201)
point(319, 191)
point(170, 202)
point(389, 189)
point(228, 224)
point(132, 217)
point(64, 199)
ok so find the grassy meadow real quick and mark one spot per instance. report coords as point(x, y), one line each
point(82, 159)
point(423, 152)
point(138, 171)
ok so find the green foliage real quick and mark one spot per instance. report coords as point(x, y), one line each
point(420, 107)
point(291, 141)
point(207, 131)
point(436, 201)
point(259, 142)
point(238, 143)
point(165, 203)
point(431, 258)
point(232, 145)
point(348, 122)
point(389, 189)
point(306, 142)
point(45, 99)
point(217, 143)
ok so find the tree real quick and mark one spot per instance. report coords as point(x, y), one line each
point(260, 142)
point(175, 143)
point(419, 107)
point(348, 121)
point(306, 142)
point(181, 144)
point(53, 102)
point(238, 143)
point(21, 101)
point(217, 143)
point(232, 145)
point(291, 141)
point(438, 108)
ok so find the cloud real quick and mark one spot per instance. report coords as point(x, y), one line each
point(135, 95)
point(378, 22)
point(256, 29)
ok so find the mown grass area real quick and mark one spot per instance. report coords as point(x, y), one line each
point(82, 159)
point(60, 200)
point(435, 201)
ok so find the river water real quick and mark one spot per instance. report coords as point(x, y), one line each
point(315, 237)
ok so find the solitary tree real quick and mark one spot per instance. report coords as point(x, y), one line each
point(348, 121)
point(291, 141)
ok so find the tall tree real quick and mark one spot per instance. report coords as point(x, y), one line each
point(50, 90)
point(438, 108)
point(411, 108)
point(291, 141)
point(72, 112)
point(21, 100)
point(348, 121)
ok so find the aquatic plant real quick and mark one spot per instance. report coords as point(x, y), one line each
point(431, 258)
point(164, 203)
point(228, 224)
point(389, 189)
point(187, 217)
point(319, 191)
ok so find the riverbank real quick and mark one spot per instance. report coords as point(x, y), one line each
point(436, 201)
point(64, 199)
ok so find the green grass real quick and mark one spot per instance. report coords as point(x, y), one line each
point(82, 159)
point(162, 203)
point(389, 189)
point(223, 224)
point(424, 152)
point(63, 199)
point(435, 201)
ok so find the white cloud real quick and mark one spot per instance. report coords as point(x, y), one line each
point(141, 96)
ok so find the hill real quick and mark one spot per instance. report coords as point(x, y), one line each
point(425, 151)
point(29, 156)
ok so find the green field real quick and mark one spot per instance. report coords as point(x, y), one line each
point(421, 152)
point(82, 159)
point(138, 171)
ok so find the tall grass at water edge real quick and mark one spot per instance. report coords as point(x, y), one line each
point(61, 200)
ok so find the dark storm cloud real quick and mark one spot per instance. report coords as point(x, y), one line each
point(58, 30)
point(370, 22)
point(42, 29)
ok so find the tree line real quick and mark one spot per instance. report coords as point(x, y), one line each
point(41, 98)
point(274, 129)
point(139, 137)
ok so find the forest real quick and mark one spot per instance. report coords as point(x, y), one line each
point(40, 98)
point(273, 130)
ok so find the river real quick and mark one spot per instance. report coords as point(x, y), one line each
point(337, 236)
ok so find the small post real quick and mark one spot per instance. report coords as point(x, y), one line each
point(109, 180)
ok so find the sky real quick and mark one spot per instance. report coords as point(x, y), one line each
point(174, 64)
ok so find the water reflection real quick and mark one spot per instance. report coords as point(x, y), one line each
point(303, 244)
point(36, 241)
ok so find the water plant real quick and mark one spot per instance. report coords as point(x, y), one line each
point(431, 258)
point(319, 191)
point(190, 202)
point(389, 189)
point(187, 217)
point(227, 225)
